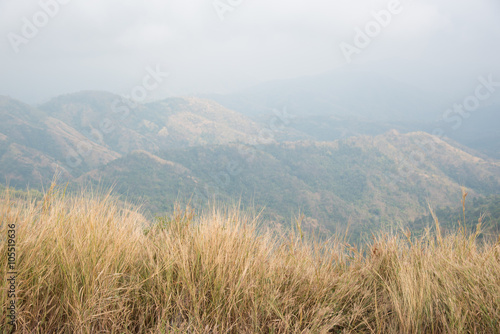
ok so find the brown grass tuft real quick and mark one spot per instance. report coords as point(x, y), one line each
point(88, 265)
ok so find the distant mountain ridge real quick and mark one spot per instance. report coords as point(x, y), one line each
point(195, 149)
point(347, 94)
point(342, 104)
point(125, 126)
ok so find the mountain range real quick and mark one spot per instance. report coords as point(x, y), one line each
point(334, 169)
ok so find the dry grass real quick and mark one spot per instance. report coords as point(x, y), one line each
point(87, 265)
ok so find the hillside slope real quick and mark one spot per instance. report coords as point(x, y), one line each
point(195, 149)
point(124, 126)
point(90, 265)
point(365, 180)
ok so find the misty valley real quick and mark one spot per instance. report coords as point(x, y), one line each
point(283, 158)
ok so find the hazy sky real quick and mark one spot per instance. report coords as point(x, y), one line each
point(108, 44)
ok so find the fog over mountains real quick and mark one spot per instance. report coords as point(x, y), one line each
point(259, 147)
point(440, 45)
point(256, 101)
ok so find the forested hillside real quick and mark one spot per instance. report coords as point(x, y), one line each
point(195, 150)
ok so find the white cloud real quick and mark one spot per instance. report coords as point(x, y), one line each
point(105, 44)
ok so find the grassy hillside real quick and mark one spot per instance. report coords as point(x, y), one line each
point(87, 265)
point(123, 126)
point(486, 209)
point(182, 149)
point(366, 181)
point(34, 146)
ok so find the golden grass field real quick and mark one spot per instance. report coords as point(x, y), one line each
point(87, 264)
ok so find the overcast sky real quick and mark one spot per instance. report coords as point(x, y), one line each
point(108, 44)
